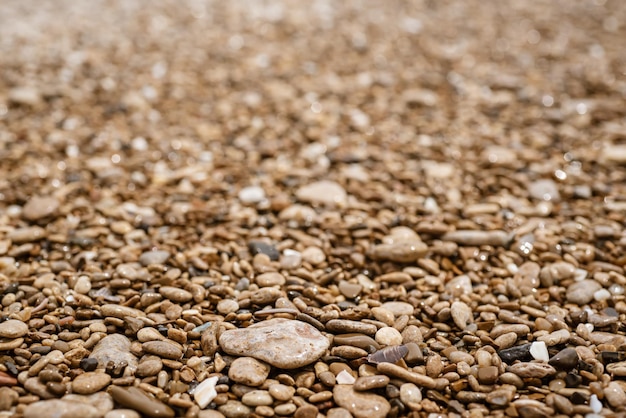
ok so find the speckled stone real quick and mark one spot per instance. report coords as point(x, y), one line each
point(361, 404)
point(90, 382)
point(283, 343)
point(13, 329)
point(248, 371)
point(57, 408)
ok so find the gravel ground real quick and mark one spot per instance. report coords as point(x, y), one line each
point(312, 209)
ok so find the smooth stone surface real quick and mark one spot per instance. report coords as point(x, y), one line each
point(90, 382)
point(248, 371)
point(270, 279)
point(544, 189)
point(410, 394)
point(539, 351)
point(323, 192)
point(251, 194)
point(39, 207)
point(154, 257)
point(257, 398)
point(122, 413)
point(100, 400)
point(461, 314)
point(140, 401)
point(399, 308)
point(388, 336)
point(360, 404)
point(175, 294)
point(582, 292)
point(119, 311)
point(565, 359)
point(163, 349)
point(114, 348)
point(234, 409)
point(400, 252)
point(58, 408)
point(283, 343)
point(13, 329)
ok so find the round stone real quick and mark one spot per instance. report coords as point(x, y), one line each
point(251, 194)
point(388, 336)
point(399, 308)
point(323, 192)
point(90, 382)
point(175, 294)
point(13, 329)
point(226, 306)
point(257, 398)
point(410, 394)
point(248, 371)
point(39, 207)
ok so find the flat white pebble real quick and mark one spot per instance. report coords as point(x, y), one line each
point(345, 378)
point(539, 351)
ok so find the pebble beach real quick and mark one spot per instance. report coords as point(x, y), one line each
point(279, 208)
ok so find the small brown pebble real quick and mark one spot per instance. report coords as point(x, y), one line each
point(364, 383)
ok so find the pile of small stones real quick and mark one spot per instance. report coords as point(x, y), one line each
point(312, 209)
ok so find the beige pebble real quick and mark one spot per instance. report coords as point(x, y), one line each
point(163, 349)
point(122, 413)
point(248, 371)
point(175, 294)
point(90, 382)
point(257, 398)
point(13, 329)
point(360, 404)
point(364, 383)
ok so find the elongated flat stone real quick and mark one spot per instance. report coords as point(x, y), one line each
point(283, 343)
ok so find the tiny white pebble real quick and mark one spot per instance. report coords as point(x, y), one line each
point(512, 268)
point(251, 194)
point(539, 351)
point(345, 378)
point(595, 404)
point(616, 289)
point(601, 295)
point(589, 327)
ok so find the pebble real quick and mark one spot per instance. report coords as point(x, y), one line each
point(410, 395)
point(360, 404)
point(251, 195)
point(25, 95)
point(205, 392)
point(350, 290)
point(154, 257)
point(283, 343)
point(460, 285)
point(313, 255)
point(565, 359)
point(122, 413)
point(90, 382)
point(270, 279)
point(140, 401)
point(347, 326)
point(344, 378)
point(119, 311)
point(234, 409)
point(58, 408)
point(149, 366)
point(281, 392)
point(39, 207)
point(398, 308)
point(260, 247)
point(468, 237)
point(539, 351)
point(614, 394)
point(462, 314)
point(257, 398)
point(356, 340)
point(364, 383)
point(387, 336)
point(324, 192)
point(226, 306)
point(520, 352)
point(163, 349)
point(248, 371)
point(115, 349)
point(582, 292)
point(400, 252)
point(537, 370)
point(13, 329)
point(26, 234)
point(175, 294)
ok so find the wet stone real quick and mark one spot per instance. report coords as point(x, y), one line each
point(364, 383)
point(520, 352)
point(175, 294)
point(360, 404)
point(234, 409)
point(565, 359)
point(287, 344)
